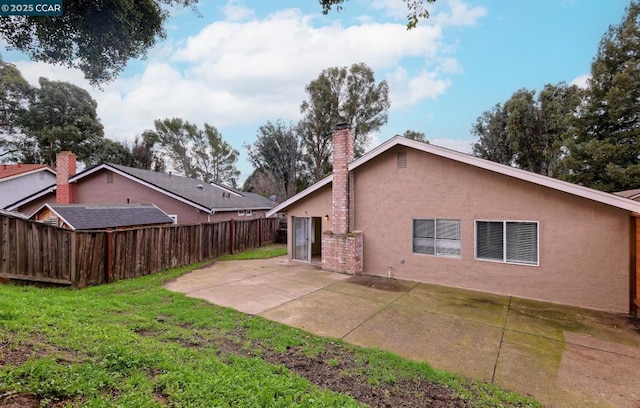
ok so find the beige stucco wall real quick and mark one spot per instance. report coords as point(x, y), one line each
point(318, 205)
point(584, 246)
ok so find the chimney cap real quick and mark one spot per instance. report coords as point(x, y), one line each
point(343, 125)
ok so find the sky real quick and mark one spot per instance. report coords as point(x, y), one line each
point(238, 64)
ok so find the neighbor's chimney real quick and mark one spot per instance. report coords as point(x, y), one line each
point(65, 168)
point(342, 156)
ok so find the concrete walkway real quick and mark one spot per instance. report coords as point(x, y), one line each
point(562, 356)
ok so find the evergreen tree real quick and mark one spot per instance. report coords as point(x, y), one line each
point(604, 153)
point(528, 131)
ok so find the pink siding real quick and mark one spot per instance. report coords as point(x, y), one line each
point(318, 205)
point(96, 189)
point(584, 245)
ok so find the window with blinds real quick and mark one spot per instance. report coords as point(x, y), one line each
point(439, 237)
point(507, 241)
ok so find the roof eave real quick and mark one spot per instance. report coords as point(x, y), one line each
point(314, 187)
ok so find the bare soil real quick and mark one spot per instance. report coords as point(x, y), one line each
point(334, 368)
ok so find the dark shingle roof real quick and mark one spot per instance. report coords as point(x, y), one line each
point(213, 196)
point(85, 217)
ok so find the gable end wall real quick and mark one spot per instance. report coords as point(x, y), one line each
point(583, 245)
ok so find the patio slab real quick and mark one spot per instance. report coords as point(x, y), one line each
point(562, 356)
point(456, 345)
point(326, 313)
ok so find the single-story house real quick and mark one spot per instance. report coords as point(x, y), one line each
point(419, 212)
point(18, 181)
point(185, 199)
point(78, 217)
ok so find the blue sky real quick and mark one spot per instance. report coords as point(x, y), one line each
point(242, 63)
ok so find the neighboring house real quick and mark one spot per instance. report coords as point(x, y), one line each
point(78, 217)
point(18, 181)
point(630, 194)
point(185, 199)
point(415, 211)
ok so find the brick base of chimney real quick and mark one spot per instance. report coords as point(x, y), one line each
point(343, 252)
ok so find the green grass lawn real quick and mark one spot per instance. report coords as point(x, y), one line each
point(267, 251)
point(135, 344)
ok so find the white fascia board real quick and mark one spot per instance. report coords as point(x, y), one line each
point(556, 184)
point(300, 195)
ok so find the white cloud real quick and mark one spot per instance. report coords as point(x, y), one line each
point(458, 14)
point(234, 10)
point(441, 13)
point(582, 81)
point(407, 90)
point(246, 70)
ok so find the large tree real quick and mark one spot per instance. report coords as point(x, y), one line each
point(277, 154)
point(215, 158)
point(341, 95)
point(605, 151)
point(196, 153)
point(110, 151)
point(98, 37)
point(491, 130)
point(415, 135)
point(528, 131)
point(145, 154)
point(15, 93)
point(60, 116)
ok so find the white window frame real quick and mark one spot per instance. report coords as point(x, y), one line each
point(435, 238)
point(248, 213)
point(504, 242)
point(240, 213)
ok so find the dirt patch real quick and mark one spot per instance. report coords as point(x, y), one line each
point(378, 282)
point(14, 354)
point(18, 401)
point(336, 369)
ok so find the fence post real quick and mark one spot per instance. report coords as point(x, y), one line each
point(231, 235)
point(260, 226)
point(200, 232)
point(109, 267)
point(73, 262)
point(6, 246)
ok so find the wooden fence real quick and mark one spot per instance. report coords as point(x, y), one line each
point(33, 251)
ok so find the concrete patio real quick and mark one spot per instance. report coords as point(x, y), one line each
point(562, 356)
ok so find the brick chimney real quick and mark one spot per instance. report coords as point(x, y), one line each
point(342, 156)
point(65, 168)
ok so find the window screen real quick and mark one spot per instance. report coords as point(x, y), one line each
point(507, 241)
point(436, 237)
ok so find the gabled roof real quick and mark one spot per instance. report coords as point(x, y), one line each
point(88, 217)
point(570, 188)
point(10, 171)
point(206, 197)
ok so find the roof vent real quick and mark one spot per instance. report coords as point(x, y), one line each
point(200, 186)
